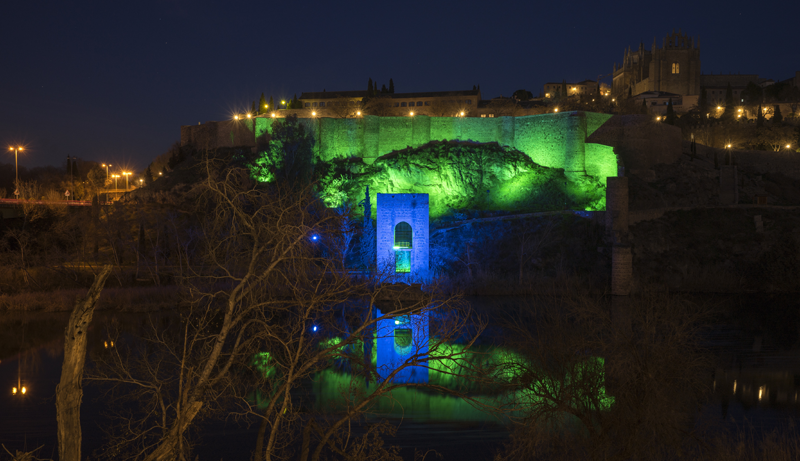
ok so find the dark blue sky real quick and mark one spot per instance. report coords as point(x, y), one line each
point(114, 81)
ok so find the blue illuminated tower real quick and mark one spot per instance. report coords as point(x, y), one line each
point(403, 228)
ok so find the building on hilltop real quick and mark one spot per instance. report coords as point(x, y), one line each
point(716, 86)
point(434, 103)
point(672, 68)
point(584, 88)
point(658, 101)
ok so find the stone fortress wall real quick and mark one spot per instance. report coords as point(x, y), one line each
point(551, 140)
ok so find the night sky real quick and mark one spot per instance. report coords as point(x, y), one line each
point(114, 81)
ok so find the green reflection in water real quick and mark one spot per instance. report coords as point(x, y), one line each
point(335, 391)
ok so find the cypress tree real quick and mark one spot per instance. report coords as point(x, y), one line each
point(253, 108)
point(384, 90)
point(670, 118)
point(262, 104)
point(369, 88)
point(644, 106)
point(702, 103)
point(391, 86)
point(777, 117)
point(74, 167)
point(271, 103)
point(729, 107)
point(148, 176)
point(564, 88)
point(95, 225)
point(374, 88)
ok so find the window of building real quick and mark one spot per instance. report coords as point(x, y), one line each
point(308, 104)
point(397, 104)
point(313, 104)
point(491, 115)
point(322, 104)
point(402, 235)
point(427, 103)
point(676, 68)
point(468, 101)
point(419, 103)
point(402, 104)
point(402, 340)
point(483, 115)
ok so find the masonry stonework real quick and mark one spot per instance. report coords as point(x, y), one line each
point(551, 140)
point(392, 209)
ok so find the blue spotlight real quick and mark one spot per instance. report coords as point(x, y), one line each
point(314, 328)
point(314, 238)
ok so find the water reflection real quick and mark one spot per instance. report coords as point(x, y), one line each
point(754, 387)
point(31, 350)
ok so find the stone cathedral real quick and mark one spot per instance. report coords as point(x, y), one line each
point(672, 68)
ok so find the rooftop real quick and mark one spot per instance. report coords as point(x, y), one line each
point(363, 94)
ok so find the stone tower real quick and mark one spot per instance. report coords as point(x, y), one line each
point(673, 68)
point(402, 228)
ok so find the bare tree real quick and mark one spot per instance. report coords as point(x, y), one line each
point(342, 107)
point(589, 385)
point(69, 392)
point(380, 105)
point(501, 107)
point(265, 288)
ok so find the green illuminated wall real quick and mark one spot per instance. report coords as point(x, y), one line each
point(511, 164)
point(551, 140)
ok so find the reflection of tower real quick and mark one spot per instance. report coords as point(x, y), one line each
point(403, 229)
point(398, 338)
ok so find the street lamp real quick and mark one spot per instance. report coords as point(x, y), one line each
point(115, 176)
point(126, 174)
point(16, 167)
point(106, 167)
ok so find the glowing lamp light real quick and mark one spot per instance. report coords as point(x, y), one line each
point(358, 113)
point(14, 390)
point(719, 107)
point(248, 115)
point(283, 102)
point(396, 247)
point(658, 119)
point(740, 110)
point(236, 117)
point(556, 110)
point(788, 146)
point(314, 328)
point(273, 115)
point(411, 114)
point(266, 105)
point(728, 146)
point(313, 114)
point(397, 322)
point(462, 113)
point(24, 389)
point(315, 237)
